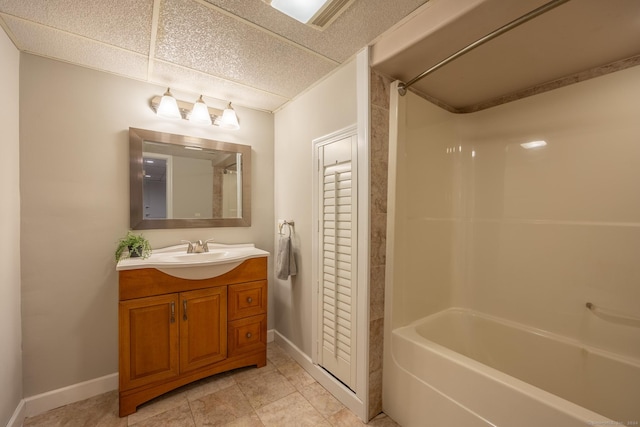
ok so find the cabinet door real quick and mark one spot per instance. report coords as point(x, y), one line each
point(148, 340)
point(203, 327)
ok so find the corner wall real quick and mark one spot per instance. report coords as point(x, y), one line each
point(10, 317)
point(340, 100)
point(327, 107)
point(329, 103)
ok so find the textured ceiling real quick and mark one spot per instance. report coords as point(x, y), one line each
point(243, 51)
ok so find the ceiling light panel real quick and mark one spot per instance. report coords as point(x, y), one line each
point(316, 13)
point(207, 40)
point(300, 10)
point(60, 45)
point(121, 23)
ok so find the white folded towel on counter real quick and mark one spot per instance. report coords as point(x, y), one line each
point(285, 260)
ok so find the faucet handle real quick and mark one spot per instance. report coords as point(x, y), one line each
point(206, 244)
point(190, 247)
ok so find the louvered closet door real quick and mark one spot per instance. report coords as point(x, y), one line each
point(337, 260)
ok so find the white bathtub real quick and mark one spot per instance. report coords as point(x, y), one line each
point(459, 367)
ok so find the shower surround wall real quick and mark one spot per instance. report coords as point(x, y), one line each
point(530, 235)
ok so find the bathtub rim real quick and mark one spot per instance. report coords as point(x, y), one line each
point(541, 396)
point(623, 358)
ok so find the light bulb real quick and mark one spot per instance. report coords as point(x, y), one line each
point(168, 107)
point(200, 113)
point(229, 119)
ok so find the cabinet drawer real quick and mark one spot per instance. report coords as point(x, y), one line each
point(247, 299)
point(247, 335)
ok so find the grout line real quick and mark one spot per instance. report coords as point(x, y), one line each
point(155, 17)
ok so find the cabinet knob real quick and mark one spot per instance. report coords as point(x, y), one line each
point(249, 300)
point(248, 335)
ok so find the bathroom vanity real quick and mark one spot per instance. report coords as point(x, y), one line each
point(183, 317)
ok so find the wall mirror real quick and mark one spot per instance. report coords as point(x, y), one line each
point(180, 181)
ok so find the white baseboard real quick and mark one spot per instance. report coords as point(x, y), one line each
point(347, 397)
point(18, 416)
point(44, 402)
point(63, 396)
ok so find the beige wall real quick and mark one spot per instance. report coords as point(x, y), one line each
point(327, 107)
point(528, 235)
point(75, 204)
point(10, 320)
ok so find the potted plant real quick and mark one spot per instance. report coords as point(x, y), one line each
point(136, 245)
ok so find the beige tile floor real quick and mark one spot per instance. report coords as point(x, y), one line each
point(279, 394)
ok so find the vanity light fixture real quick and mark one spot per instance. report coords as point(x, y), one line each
point(229, 119)
point(198, 113)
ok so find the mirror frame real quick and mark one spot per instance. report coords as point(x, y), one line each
point(136, 218)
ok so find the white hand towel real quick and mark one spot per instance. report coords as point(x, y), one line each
point(285, 261)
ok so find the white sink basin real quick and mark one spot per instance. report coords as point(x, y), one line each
point(201, 258)
point(175, 261)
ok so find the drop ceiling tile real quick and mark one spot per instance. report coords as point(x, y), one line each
point(196, 82)
point(122, 23)
point(202, 38)
point(355, 28)
point(45, 41)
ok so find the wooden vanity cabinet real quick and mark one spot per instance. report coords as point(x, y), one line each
point(173, 331)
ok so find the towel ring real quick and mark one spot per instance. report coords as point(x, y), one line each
point(289, 224)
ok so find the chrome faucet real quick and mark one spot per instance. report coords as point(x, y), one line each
point(197, 247)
